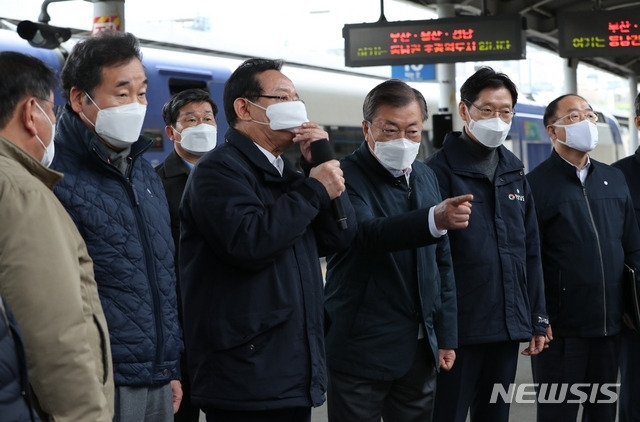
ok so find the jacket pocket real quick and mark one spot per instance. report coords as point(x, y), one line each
point(232, 331)
point(104, 352)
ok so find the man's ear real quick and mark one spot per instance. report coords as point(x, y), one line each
point(27, 111)
point(241, 106)
point(462, 111)
point(75, 99)
point(551, 131)
point(169, 131)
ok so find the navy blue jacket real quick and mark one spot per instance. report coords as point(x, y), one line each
point(393, 277)
point(15, 394)
point(124, 221)
point(496, 259)
point(251, 279)
point(587, 233)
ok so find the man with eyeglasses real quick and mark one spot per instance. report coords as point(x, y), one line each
point(496, 260)
point(588, 232)
point(390, 296)
point(629, 405)
point(252, 230)
point(190, 119)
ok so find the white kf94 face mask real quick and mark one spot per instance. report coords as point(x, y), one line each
point(199, 139)
point(582, 136)
point(397, 154)
point(120, 126)
point(286, 115)
point(490, 132)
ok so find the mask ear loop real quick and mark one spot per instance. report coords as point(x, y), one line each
point(259, 106)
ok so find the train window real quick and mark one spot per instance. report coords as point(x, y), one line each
point(177, 85)
point(345, 140)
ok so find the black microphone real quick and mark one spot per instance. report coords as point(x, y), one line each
point(321, 152)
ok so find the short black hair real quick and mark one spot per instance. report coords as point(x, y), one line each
point(243, 83)
point(22, 76)
point(486, 77)
point(637, 105)
point(395, 93)
point(83, 68)
point(171, 109)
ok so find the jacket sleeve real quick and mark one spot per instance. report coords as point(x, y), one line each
point(241, 219)
point(446, 318)
point(41, 283)
point(535, 278)
point(409, 230)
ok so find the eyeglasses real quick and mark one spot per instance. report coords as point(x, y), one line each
point(576, 116)
point(281, 98)
point(487, 112)
point(393, 133)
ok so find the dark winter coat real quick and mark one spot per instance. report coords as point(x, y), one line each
point(587, 233)
point(124, 220)
point(393, 277)
point(251, 279)
point(496, 259)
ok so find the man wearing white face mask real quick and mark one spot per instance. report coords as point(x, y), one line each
point(588, 231)
point(118, 203)
point(252, 229)
point(190, 116)
point(390, 296)
point(496, 259)
point(47, 274)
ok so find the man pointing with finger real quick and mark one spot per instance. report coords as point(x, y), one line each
point(496, 260)
point(390, 296)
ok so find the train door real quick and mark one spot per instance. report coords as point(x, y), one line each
point(528, 138)
point(610, 147)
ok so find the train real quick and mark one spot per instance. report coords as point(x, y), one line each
point(333, 99)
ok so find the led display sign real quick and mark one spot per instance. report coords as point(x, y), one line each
point(447, 40)
point(599, 33)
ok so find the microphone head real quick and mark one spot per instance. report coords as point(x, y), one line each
point(321, 151)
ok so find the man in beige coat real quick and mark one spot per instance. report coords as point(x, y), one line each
point(46, 274)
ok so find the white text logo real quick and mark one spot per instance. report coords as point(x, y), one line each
point(556, 393)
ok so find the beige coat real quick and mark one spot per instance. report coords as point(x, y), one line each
point(46, 277)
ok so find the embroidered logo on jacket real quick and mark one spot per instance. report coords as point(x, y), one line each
point(516, 196)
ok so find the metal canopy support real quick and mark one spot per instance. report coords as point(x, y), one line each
point(108, 15)
point(570, 76)
point(446, 72)
point(633, 131)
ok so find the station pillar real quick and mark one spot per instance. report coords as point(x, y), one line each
point(108, 15)
point(571, 76)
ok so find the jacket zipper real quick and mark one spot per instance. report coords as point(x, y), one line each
point(595, 230)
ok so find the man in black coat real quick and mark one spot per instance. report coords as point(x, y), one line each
point(628, 406)
point(588, 232)
point(190, 116)
point(391, 296)
point(252, 229)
